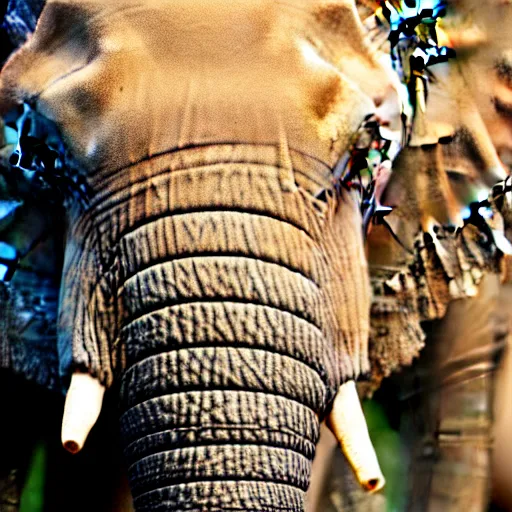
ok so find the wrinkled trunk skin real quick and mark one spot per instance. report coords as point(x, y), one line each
point(224, 369)
point(229, 317)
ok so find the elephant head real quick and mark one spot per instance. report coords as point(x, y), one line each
point(216, 271)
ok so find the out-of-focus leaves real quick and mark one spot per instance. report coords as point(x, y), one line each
point(32, 497)
point(10, 135)
point(7, 208)
point(390, 453)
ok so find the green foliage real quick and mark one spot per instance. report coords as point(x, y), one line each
point(32, 497)
point(390, 454)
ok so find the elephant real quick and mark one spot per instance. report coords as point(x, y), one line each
point(207, 240)
point(215, 271)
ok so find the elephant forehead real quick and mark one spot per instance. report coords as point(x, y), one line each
point(126, 80)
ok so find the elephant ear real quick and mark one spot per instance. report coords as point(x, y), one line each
point(30, 265)
point(30, 247)
point(435, 246)
point(28, 343)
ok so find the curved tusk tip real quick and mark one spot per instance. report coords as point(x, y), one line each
point(71, 446)
point(81, 410)
point(374, 484)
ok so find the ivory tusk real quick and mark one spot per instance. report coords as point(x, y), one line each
point(348, 425)
point(81, 410)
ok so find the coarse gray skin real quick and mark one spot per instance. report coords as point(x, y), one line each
point(209, 274)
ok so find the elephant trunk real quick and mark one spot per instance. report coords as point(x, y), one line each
point(225, 360)
point(223, 378)
point(219, 450)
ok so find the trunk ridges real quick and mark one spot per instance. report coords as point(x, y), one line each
point(258, 327)
point(228, 496)
point(207, 436)
point(230, 306)
point(230, 369)
point(196, 410)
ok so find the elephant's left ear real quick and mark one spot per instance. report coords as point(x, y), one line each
point(62, 43)
point(29, 277)
point(28, 337)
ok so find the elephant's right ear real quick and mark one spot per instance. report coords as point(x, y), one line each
point(62, 43)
